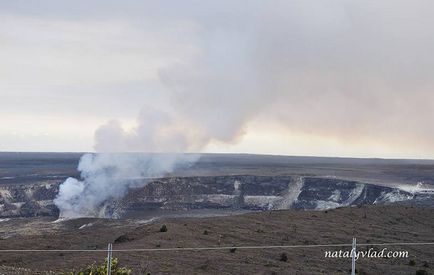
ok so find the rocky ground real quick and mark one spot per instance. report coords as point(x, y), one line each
point(30, 181)
point(229, 193)
point(370, 224)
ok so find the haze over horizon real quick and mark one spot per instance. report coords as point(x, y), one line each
point(308, 78)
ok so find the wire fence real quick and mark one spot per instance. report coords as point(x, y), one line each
point(110, 249)
point(219, 247)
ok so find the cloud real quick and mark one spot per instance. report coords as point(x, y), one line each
point(355, 71)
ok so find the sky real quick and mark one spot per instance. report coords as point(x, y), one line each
point(318, 78)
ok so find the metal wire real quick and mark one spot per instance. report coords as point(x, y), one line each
point(213, 247)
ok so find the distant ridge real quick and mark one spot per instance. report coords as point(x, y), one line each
point(241, 157)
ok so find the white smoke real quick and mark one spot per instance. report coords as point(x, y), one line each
point(108, 176)
point(156, 131)
point(121, 163)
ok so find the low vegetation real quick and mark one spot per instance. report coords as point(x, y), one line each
point(163, 228)
point(95, 269)
point(283, 257)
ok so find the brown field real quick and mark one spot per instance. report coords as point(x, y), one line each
point(370, 224)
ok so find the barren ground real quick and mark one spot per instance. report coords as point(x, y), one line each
point(370, 224)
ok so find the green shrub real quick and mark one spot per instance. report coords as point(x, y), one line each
point(412, 263)
point(163, 228)
point(283, 257)
point(95, 269)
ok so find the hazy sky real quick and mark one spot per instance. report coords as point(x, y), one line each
point(330, 78)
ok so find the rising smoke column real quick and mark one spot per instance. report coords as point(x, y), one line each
point(120, 165)
point(205, 106)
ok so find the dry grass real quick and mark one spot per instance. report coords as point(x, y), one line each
point(373, 224)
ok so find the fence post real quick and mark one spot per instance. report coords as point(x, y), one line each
point(353, 258)
point(109, 259)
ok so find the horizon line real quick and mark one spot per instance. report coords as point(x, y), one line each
point(224, 153)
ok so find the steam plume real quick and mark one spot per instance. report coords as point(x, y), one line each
point(109, 174)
